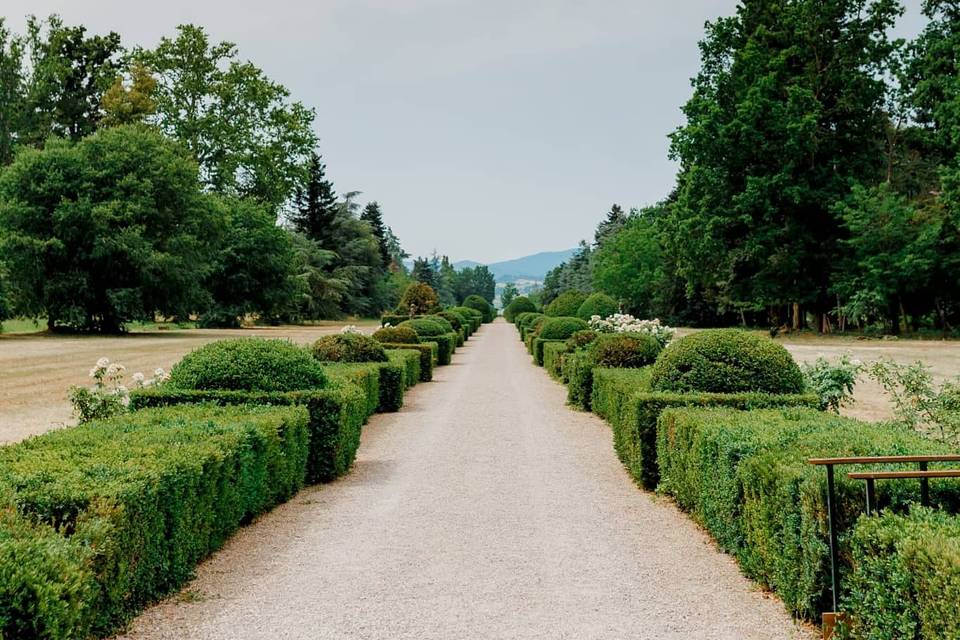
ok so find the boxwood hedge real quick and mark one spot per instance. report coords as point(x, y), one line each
point(170, 487)
point(623, 350)
point(348, 347)
point(476, 317)
point(409, 361)
point(597, 304)
point(565, 304)
point(426, 353)
point(561, 328)
point(520, 304)
point(478, 303)
point(394, 335)
point(383, 383)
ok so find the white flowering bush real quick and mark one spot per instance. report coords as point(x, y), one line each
point(626, 323)
point(108, 396)
point(352, 328)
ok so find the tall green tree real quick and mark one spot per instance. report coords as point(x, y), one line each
point(104, 231)
point(130, 101)
point(478, 280)
point(249, 138)
point(787, 112)
point(508, 294)
point(629, 267)
point(423, 272)
point(12, 92)
point(615, 219)
point(374, 217)
point(315, 206)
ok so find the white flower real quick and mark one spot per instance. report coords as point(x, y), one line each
point(102, 363)
point(138, 379)
point(350, 328)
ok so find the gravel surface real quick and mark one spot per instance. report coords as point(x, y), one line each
point(484, 509)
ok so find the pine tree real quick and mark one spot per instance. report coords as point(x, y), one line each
point(611, 224)
point(423, 272)
point(316, 206)
point(372, 216)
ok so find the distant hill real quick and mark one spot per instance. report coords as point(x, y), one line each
point(532, 267)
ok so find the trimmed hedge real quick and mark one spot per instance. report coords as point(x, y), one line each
point(337, 415)
point(383, 383)
point(905, 581)
point(448, 327)
point(553, 355)
point(409, 361)
point(565, 304)
point(248, 364)
point(726, 361)
point(426, 353)
point(561, 328)
point(578, 370)
point(363, 376)
point(520, 304)
point(745, 477)
point(538, 349)
point(581, 339)
point(476, 317)
point(348, 347)
point(395, 335)
point(480, 304)
point(624, 350)
point(446, 345)
point(425, 327)
point(138, 502)
point(612, 388)
point(520, 320)
point(465, 319)
point(598, 304)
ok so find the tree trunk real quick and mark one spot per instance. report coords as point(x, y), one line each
point(796, 316)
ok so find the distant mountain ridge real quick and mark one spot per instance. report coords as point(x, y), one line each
point(532, 267)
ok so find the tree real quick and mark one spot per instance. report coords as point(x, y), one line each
point(508, 294)
point(628, 266)
point(252, 266)
point(12, 96)
point(372, 216)
point(787, 112)
point(420, 298)
point(318, 294)
point(476, 281)
point(315, 206)
point(610, 225)
point(130, 102)
point(69, 74)
point(447, 283)
point(423, 272)
point(107, 230)
point(247, 135)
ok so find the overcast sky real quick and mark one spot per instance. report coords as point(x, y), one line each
point(487, 129)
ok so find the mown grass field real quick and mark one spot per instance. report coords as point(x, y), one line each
point(38, 369)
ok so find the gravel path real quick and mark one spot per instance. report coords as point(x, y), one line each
point(485, 509)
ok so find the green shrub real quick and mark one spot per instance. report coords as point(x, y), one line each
point(151, 494)
point(905, 581)
point(396, 335)
point(453, 319)
point(523, 322)
point(479, 304)
point(476, 317)
point(565, 304)
point(561, 328)
point(363, 376)
point(519, 321)
point(612, 389)
point(553, 353)
point(393, 319)
point(581, 339)
point(726, 361)
point(538, 349)
point(448, 327)
point(578, 370)
point(421, 297)
point(520, 304)
point(532, 330)
point(248, 364)
point(598, 304)
point(426, 353)
point(744, 475)
point(465, 320)
point(409, 361)
point(613, 350)
point(348, 347)
point(383, 383)
point(337, 415)
point(446, 344)
point(425, 327)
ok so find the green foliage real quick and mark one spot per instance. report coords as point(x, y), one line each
point(392, 319)
point(745, 477)
point(578, 371)
point(519, 304)
point(566, 304)
point(248, 364)
point(630, 266)
point(561, 328)
point(537, 349)
point(918, 402)
point(405, 335)
point(581, 339)
point(382, 383)
point(476, 282)
point(419, 297)
point(621, 350)
point(426, 352)
point(144, 222)
point(553, 355)
point(448, 326)
point(482, 305)
point(509, 293)
point(612, 390)
point(409, 361)
point(905, 581)
point(726, 361)
point(446, 345)
point(425, 327)
point(597, 304)
point(348, 347)
point(171, 486)
point(524, 319)
point(473, 314)
point(832, 382)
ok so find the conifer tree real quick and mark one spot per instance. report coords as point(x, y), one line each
point(315, 206)
point(372, 216)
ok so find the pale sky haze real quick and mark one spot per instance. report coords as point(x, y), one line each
point(487, 130)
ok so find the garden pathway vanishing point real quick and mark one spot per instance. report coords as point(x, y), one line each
point(486, 508)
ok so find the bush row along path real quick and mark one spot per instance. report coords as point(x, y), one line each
point(484, 509)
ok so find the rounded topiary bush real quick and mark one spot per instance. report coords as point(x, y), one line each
point(522, 319)
point(396, 335)
point(481, 305)
point(454, 317)
point(424, 327)
point(624, 350)
point(561, 328)
point(581, 339)
point(726, 361)
point(518, 305)
point(443, 322)
point(349, 347)
point(565, 304)
point(597, 304)
point(421, 297)
point(248, 364)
